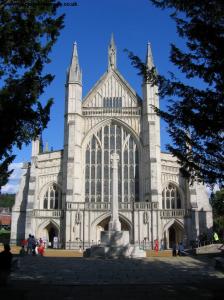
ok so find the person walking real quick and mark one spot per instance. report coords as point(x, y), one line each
point(216, 237)
point(29, 245)
point(156, 246)
point(174, 250)
point(180, 249)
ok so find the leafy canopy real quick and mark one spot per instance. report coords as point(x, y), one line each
point(217, 202)
point(7, 200)
point(27, 35)
point(195, 113)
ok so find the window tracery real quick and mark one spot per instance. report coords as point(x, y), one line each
point(52, 198)
point(171, 197)
point(98, 172)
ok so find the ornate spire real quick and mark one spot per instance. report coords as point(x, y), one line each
point(149, 59)
point(74, 72)
point(112, 54)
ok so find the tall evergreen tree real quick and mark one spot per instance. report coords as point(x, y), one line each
point(195, 112)
point(217, 202)
point(28, 30)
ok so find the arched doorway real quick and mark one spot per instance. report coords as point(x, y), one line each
point(175, 234)
point(104, 224)
point(172, 236)
point(53, 233)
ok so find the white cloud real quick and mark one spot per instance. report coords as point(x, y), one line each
point(215, 189)
point(13, 184)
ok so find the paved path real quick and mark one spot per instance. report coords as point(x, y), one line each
point(71, 271)
point(82, 278)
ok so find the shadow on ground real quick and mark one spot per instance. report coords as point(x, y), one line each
point(80, 278)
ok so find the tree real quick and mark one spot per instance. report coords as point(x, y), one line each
point(217, 202)
point(7, 200)
point(4, 170)
point(28, 31)
point(195, 112)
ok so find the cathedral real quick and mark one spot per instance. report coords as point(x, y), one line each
point(65, 195)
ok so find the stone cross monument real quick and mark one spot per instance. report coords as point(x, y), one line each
point(114, 224)
point(114, 242)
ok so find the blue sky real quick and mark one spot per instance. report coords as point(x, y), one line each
point(90, 24)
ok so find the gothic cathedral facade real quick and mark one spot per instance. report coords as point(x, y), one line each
point(67, 193)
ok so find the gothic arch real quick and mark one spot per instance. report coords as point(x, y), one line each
point(172, 222)
point(44, 190)
point(179, 189)
point(107, 136)
point(43, 230)
point(46, 223)
point(107, 122)
point(107, 215)
point(173, 233)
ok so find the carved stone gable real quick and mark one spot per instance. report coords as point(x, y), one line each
point(111, 91)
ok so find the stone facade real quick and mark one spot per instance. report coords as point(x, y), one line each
point(68, 193)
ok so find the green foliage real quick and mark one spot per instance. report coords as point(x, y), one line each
point(217, 202)
point(218, 226)
point(27, 34)
point(4, 236)
point(195, 114)
point(7, 200)
point(4, 172)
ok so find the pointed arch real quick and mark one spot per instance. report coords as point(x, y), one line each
point(50, 196)
point(47, 230)
point(108, 122)
point(47, 222)
point(172, 196)
point(172, 222)
point(112, 135)
point(106, 215)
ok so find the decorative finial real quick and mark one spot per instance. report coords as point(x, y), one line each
point(149, 59)
point(74, 72)
point(112, 54)
point(75, 52)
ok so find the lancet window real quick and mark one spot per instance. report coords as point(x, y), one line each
point(52, 198)
point(98, 172)
point(171, 197)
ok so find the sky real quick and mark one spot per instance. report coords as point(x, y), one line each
point(134, 23)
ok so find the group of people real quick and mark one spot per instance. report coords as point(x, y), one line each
point(178, 249)
point(32, 246)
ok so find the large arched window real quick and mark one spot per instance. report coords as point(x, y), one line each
point(52, 198)
point(98, 172)
point(171, 197)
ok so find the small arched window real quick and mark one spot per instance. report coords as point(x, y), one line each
point(52, 198)
point(171, 197)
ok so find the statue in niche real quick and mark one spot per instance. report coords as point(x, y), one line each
point(145, 217)
point(77, 217)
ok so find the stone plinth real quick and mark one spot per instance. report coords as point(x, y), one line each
point(115, 238)
point(114, 244)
